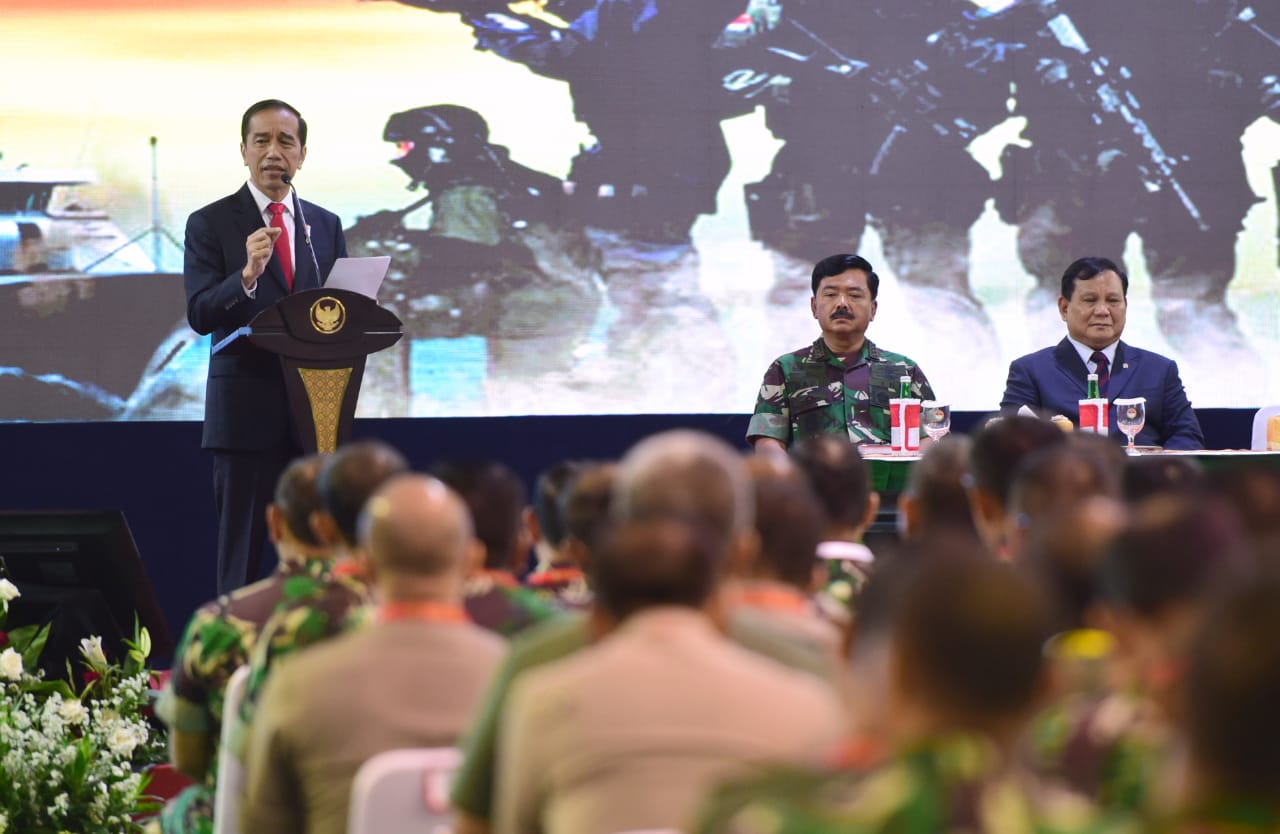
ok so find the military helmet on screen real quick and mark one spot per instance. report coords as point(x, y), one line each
point(437, 135)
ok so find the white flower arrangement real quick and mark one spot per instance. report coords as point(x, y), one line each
point(72, 761)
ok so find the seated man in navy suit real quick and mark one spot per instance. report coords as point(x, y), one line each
point(1093, 303)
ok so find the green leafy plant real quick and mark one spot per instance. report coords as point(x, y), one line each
point(72, 759)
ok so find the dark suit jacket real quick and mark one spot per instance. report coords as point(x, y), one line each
point(1055, 380)
point(245, 406)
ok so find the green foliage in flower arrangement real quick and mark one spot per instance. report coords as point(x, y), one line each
point(73, 760)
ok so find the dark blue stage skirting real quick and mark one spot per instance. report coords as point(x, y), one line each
point(158, 476)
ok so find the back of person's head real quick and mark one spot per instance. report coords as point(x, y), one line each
point(1064, 552)
point(1175, 550)
point(548, 494)
point(934, 497)
point(1085, 269)
point(350, 475)
point(897, 567)
point(495, 497)
point(1254, 493)
point(1233, 686)
point(659, 561)
point(297, 498)
point(789, 520)
point(968, 637)
point(1151, 475)
point(839, 476)
point(1001, 445)
point(585, 507)
point(1052, 479)
point(685, 474)
point(415, 526)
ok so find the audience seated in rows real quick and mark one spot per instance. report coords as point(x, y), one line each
point(1119, 672)
point(318, 608)
point(220, 637)
point(411, 678)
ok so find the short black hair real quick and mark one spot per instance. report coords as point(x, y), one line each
point(1001, 445)
point(936, 482)
point(585, 504)
point(350, 475)
point(548, 496)
point(839, 476)
point(272, 104)
point(839, 264)
point(970, 633)
point(791, 524)
point(1084, 269)
point(297, 496)
point(495, 495)
point(1177, 549)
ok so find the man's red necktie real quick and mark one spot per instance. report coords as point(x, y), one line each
point(1104, 370)
point(282, 242)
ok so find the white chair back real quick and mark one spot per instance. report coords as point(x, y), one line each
point(226, 799)
point(404, 792)
point(1260, 419)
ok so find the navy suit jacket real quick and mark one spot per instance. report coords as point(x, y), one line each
point(245, 407)
point(1055, 380)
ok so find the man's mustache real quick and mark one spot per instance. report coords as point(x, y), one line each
point(842, 314)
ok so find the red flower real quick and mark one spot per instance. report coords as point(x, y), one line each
point(4, 639)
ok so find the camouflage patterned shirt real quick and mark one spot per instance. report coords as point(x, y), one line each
point(217, 641)
point(496, 601)
point(312, 609)
point(953, 784)
point(812, 391)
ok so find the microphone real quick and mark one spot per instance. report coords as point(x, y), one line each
point(306, 228)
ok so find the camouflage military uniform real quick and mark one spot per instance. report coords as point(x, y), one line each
point(312, 609)
point(1107, 744)
point(955, 783)
point(812, 391)
point(1225, 815)
point(496, 601)
point(217, 641)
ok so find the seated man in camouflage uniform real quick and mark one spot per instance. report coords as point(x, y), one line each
point(220, 637)
point(962, 679)
point(842, 383)
point(317, 608)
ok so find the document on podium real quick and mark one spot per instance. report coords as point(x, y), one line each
point(362, 275)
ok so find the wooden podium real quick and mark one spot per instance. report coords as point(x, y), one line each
point(322, 337)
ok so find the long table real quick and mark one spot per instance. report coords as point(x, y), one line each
point(890, 470)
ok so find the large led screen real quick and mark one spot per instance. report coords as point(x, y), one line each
point(613, 206)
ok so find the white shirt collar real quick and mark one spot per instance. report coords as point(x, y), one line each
point(1086, 353)
point(263, 201)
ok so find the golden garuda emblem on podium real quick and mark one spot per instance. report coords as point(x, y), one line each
point(328, 315)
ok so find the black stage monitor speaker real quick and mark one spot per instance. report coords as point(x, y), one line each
point(80, 571)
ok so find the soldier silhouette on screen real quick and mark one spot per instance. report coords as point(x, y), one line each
point(876, 104)
point(641, 78)
point(1141, 135)
point(486, 271)
point(639, 75)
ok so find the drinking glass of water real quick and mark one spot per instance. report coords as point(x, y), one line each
point(935, 419)
point(1131, 416)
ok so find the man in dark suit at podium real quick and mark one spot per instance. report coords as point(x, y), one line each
point(244, 253)
point(1094, 303)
